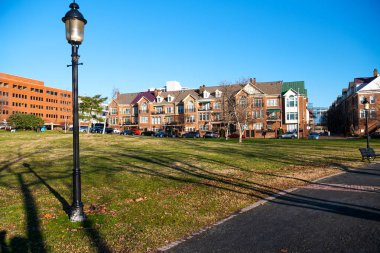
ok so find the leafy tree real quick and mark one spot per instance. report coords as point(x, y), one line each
point(91, 107)
point(25, 121)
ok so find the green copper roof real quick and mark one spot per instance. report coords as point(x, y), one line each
point(296, 86)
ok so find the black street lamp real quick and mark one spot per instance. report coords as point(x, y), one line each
point(74, 23)
point(366, 109)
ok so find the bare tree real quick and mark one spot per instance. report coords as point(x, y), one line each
point(237, 109)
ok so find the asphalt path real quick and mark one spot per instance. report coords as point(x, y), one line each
point(337, 214)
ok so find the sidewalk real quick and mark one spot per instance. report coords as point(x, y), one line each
point(337, 214)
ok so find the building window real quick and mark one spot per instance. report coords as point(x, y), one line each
point(143, 119)
point(169, 109)
point(156, 120)
point(243, 101)
point(203, 127)
point(204, 116)
point(190, 119)
point(362, 113)
point(144, 108)
point(158, 109)
point(169, 120)
point(291, 101)
point(217, 105)
point(272, 102)
point(113, 111)
point(258, 126)
point(218, 94)
point(258, 114)
point(372, 114)
point(361, 99)
point(258, 102)
point(169, 98)
point(292, 116)
point(217, 117)
point(180, 109)
point(159, 99)
point(372, 99)
point(190, 106)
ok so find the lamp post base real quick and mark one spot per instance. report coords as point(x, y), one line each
point(77, 214)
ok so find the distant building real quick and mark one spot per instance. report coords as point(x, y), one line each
point(319, 118)
point(28, 96)
point(274, 105)
point(346, 115)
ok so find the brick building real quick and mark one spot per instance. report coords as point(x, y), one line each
point(346, 115)
point(272, 106)
point(28, 96)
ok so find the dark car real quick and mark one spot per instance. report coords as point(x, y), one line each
point(148, 133)
point(313, 136)
point(96, 129)
point(375, 135)
point(109, 130)
point(236, 135)
point(211, 135)
point(161, 134)
point(191, 135)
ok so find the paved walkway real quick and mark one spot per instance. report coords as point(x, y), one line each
point(338, 214)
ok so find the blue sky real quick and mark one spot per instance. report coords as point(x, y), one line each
point(135, 45)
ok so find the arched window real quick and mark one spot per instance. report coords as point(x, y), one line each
point(190, 106)
point(291, 101)
point(243, 101)
point(144, 107)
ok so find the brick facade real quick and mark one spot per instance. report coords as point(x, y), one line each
point(202, 109)
point(28, 96)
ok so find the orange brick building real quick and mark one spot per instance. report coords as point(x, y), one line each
point(28, 96)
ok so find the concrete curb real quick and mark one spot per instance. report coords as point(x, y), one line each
point(245, 209)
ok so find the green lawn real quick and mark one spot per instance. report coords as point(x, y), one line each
point(140, 192)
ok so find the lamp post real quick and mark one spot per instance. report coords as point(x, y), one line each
point(366, 109)
point(74, 23)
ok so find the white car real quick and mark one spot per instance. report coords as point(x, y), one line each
point(116, 131)
point(288, 135)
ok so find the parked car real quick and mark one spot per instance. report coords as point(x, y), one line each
point(161, 134)
point(314, 136)
point(236, 135)
point(211, 135)
point(148, 133)
point(82, 129)
point(96, 129)
point(108, 130)
point(127, 132)
point(136, 132)
point(288, 135)
point(116, 131)
point(375, 135)
point(191, 135)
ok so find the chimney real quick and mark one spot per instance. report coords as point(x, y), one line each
point(254, 81)
point(375, 73)
point(156, 92)
point(202, 88)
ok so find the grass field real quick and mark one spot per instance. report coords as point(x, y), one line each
point(141, 193)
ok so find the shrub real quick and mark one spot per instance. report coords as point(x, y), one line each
point(25, 121)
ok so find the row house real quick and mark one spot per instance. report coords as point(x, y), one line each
point(271, 106)
point(28, 96)
point(346, 115)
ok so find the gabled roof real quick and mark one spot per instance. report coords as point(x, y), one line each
point(270, 88)
point(146, 94)
point(297, 86)
point(126, 98)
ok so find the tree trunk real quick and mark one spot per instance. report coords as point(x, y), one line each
point(227, 131)
point(240, 133)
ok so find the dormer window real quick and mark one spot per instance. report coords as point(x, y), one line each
point(206, 94)
point(218, 94)
point(170, 98)
point(159, 99)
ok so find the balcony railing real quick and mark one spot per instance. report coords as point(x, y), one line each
point(273, 118)
point(158, 113)
point(143, 111)
point(205, 109)
point(190, 110)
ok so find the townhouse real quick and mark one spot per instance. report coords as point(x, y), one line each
point(28, 96)
point(272, 107)
point(346, 115)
